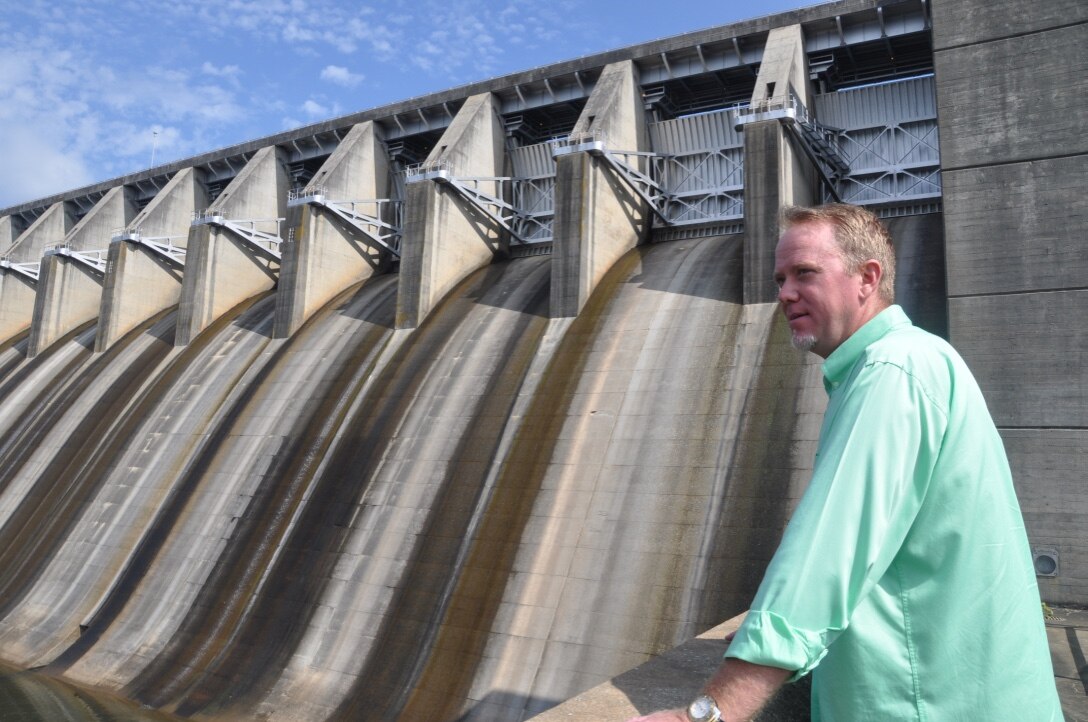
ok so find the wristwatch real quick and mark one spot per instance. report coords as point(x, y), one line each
point(704, 709)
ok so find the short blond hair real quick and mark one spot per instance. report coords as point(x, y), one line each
point(860, 235)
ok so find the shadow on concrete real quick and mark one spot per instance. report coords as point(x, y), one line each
point(711, 267)
point(677, 676)
point(506, 706)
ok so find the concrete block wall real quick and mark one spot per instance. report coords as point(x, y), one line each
point(140, 283)
point(221, 270)
point(1011, 83)
point(326, 255)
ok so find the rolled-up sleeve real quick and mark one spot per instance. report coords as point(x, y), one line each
point(880, 440)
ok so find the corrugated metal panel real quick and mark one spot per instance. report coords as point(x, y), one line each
point(695, 132)
point(532, 161)
point(878, 105)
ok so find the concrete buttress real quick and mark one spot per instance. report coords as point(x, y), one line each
point(598, 217)
point(17, 291)
point(776, 174)
point(444, 237)
point(9, 233)
point(141, 282)
point(222, 268)
point(327, 254)
point(70, 289)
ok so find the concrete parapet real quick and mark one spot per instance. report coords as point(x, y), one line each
point(598, 217)
point(776, 174)
point(327, 253)
point(670, 681)
point(444, 238)
point(139, 281)
point(221, 268)
point(69, 286)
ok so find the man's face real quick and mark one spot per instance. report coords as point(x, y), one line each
point(821, 300)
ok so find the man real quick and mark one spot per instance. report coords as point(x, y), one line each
point(904, 581)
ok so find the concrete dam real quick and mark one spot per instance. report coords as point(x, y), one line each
point(456, 408)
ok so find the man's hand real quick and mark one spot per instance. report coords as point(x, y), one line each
point(669, 715)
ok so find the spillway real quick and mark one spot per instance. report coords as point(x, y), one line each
point(476, 518)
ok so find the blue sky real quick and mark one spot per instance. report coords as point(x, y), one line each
point(95, 89)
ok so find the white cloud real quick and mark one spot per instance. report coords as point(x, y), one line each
point(227, 71)
point(314, 109)
point(341, 76)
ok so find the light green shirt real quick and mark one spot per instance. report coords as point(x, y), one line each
point(904, 580)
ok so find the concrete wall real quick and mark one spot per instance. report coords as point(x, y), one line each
point(776, 174)
point(1011, 83)
point(220, 270)
point(327, 255)
point(9, 231)
point(17, 292)
point(139, 282)
point(598, 217)
point(69, 292)
point(444, 239)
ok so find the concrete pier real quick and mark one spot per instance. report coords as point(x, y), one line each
point(9, 232)
point(140, 280)
point(17, 291)
point(776, 173)
point(221, 268)
point(327, 253)
point(445, 238)
point(598, 217)
point(70, 286)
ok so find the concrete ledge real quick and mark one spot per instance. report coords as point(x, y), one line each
point(672, 680)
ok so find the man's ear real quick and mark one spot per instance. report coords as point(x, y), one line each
point(871, 273)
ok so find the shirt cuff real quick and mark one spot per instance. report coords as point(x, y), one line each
point(766, 638)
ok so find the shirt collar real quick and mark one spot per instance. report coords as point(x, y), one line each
point(838, 364)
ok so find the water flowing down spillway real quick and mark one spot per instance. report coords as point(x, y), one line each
point(474, 519)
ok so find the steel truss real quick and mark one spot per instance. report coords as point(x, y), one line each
point(162, 246)
point(625, 163)
point(95, 261)
point(373, 225)
point(265, 244)
point(29, 271)
point(891, 163)
point(487, 194)
point(705, 185)
point(819, 142)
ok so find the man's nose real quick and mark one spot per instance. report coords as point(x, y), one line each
point(786, 292)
